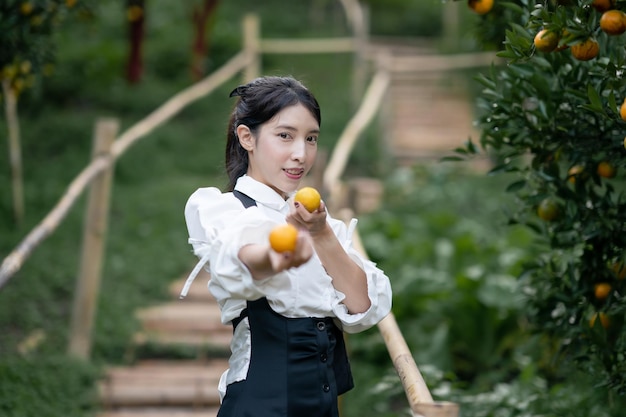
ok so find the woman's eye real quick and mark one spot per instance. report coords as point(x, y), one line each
point(284, 135)
point(312, 139)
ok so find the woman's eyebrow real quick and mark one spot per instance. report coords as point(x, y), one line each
point(294, 129)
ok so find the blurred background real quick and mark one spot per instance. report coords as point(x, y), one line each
point(438, 227)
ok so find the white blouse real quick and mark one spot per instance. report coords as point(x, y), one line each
point(219, 225)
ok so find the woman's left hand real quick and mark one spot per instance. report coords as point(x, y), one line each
point(314, 222)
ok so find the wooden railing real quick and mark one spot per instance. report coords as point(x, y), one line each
point(108, 148)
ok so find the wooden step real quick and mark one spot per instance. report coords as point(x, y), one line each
point(161, 412)
point(163, 383)
point(181, 316)
point(217, 342)
point(198, 290)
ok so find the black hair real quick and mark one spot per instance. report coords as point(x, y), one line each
point(259, 101)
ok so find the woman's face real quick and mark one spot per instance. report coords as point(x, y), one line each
point(283, 150)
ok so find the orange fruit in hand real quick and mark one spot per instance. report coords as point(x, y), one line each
point(606, 170)
point(602, 290)
point(604, 320)
point(283, 238)
point(480, 6)
point(309, 197)
point(546, 40)
point(613, 22)
point(586, 50)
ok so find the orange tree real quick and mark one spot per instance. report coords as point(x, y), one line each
point(26, 42)
point(552, 117)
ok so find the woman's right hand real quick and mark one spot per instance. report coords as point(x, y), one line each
point(281, 261)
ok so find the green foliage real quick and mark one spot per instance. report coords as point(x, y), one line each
point(29, 386)
point(27, 46)
point(552, 119)
point(442, 237)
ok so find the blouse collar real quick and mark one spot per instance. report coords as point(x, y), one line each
point(260, 192)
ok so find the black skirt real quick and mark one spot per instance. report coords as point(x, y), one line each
point(298, 367)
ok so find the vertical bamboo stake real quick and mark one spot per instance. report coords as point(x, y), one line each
point(252, 46)
point(15, 151)
point(360, 61)
point(94, 233)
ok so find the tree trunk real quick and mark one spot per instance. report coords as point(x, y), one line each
point(201, 16)
point(15, 150)
point(135, 13)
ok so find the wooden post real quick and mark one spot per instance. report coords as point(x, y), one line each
point(94, 237)
point(15, 150)
point(451, 23)
point(361, 32)
point(251, 46)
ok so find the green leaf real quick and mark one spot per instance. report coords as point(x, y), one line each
point(594, 98)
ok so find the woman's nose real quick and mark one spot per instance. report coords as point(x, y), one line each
point(298, 151)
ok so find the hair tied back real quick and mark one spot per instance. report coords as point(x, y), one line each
point(238, 92)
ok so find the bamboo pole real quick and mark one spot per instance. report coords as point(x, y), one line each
point(442, 63)
point(419, 398)
point(252, 47)
point(343, 148)
point(307, 46)
point(15, 150)
point(14, 261)
point(358, 18)
point(94, 238)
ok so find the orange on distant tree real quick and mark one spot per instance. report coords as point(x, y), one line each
point(480, 6)
point(546, 40)
point(309, 197)
point(585, 50)
point(602, 290)
point(613, 22)
point(603, 5)
point(622, 111)
point(606, 169)
point(548, 210)
point(283, 238)
point(575, 172)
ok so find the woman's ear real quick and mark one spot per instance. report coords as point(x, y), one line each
point(245, 137)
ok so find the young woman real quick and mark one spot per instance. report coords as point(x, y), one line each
point(288, 310)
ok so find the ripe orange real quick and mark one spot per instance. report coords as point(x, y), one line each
point(613, 22)
point(602, 290)
point(622, 110)
point(586, 50)
point(546, 40)
point(480, 6)
point(283, 238)
point(309, 197)
point(604, 320)
point(548, 210)
point(575, 172)
point(603, 5)
point(606, 169)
